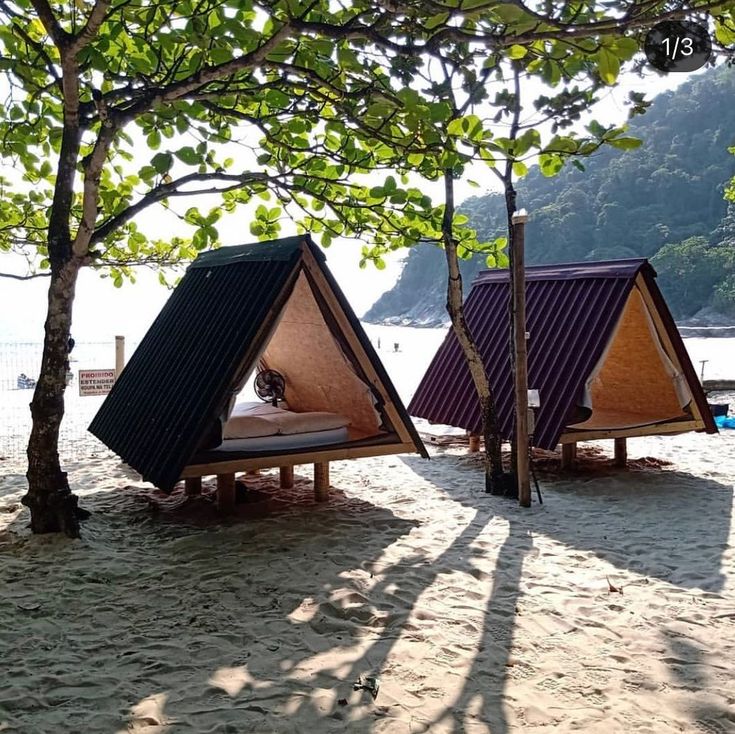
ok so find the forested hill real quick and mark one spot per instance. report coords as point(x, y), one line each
point(663, 201)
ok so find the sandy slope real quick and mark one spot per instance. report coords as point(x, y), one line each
point(476, 616)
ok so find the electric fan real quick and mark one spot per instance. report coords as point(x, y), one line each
point(270, 385)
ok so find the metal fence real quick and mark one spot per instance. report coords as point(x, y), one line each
point(20, 363)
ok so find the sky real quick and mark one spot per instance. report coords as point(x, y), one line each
point(102, 311)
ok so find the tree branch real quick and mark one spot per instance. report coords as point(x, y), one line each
point(58, 35)
point(167, 190)
point(92, 172)
point(25, 277)
point(94, 21)
point(194, 82)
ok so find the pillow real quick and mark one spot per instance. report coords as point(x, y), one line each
point(291, 423)
point(248, 426)
point(242, 409)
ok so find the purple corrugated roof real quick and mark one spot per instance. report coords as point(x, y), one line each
point(571, 311)
point(626, 268)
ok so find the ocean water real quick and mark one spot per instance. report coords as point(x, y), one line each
point(404, 351)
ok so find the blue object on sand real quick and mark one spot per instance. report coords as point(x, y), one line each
point(723, 421)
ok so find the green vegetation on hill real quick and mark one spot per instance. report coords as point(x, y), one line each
point(663, 201)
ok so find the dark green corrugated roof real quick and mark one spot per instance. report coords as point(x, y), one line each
point(268, 251)
point(178, 380)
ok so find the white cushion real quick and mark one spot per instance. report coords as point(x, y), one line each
point(253, 420)
point(248, 426)
point(291, 423)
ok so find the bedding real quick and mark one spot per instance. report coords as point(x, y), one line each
point(280, 442)
point(256, 420)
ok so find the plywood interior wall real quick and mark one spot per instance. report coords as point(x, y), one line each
point(318, 374)
point(633, 386)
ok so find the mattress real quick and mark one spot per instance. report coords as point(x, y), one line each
point(280, 442)
point(257, 420)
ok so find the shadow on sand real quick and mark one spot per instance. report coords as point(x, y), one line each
point(175, 623)
point(667, 524)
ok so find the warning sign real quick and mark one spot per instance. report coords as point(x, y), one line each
point(96, 382)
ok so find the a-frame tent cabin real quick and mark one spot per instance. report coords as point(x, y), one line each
point(269, 305)
point(603, 352)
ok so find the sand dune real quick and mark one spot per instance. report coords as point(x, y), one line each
point(476, 616)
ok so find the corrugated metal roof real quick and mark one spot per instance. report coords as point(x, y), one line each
point(571, 311)
point(625, 268)
point(267, 251)
point(212, 327)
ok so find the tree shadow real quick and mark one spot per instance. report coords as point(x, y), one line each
point(483, 692)
point(141, 607)
point(693, 673)
point(253, 649)
point(196, 617)
point(670, 525)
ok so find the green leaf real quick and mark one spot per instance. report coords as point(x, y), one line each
point(154, 139)
point(517, 52)
point(508, 13)
point(188, 155)
point(625, 143)
point(550, 164)
point(625, 48)
point(436, 20)
point(162, 162)
point(520, 169)
point(724, 32)
point(608, 66)
point(277, 98)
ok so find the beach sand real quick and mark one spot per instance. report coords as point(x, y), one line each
point(476, 615)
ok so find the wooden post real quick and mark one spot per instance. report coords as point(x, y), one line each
point(119, 355)
point(518, 291)
point(568, 455)
point(286, 477)
point(321, 481)
point(192, 486)
point(474, 443)
point(226, 493)
point(621, 452)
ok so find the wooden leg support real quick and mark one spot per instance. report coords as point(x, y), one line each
point(286, 477)
point(193, 486)
point(568, 455)
point(621, 453)
point(474, 443)
point(321, 482)
point(226, 493)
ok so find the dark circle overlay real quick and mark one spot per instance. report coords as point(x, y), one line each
point(678, 45)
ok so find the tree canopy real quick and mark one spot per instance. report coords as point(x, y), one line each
point(114, 107)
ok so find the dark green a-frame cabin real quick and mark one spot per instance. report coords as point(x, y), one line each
point(268, 305)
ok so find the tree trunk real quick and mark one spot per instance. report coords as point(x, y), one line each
point(455, 308)
point(53, 506)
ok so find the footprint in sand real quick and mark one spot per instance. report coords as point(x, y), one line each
point(521, 671)
point(549, 684)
